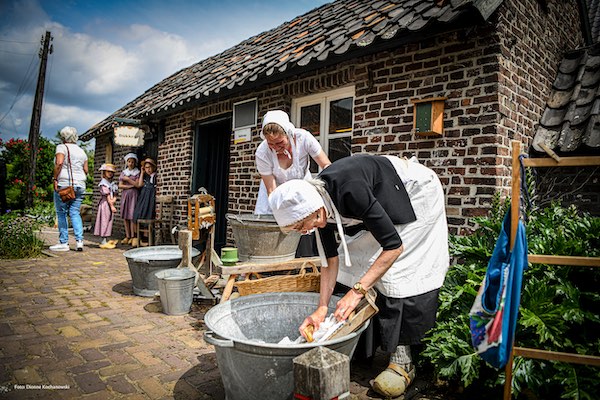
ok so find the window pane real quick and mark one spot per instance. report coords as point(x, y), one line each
point(244, 114)
point(340, 115)
point(310, 119)
point(339, 148)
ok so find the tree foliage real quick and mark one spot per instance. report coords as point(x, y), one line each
point(17, 156)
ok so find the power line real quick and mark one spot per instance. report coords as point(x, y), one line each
point(16, 41)
point(25, 83)
point(14, 52)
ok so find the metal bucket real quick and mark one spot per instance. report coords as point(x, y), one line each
point(143, 262)
point(176, 287)
point(259, 239)
point(251, 369)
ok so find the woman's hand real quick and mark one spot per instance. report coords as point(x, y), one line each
point(346, 305)
point(55, 185)
point(315, 319)
point(111, 202)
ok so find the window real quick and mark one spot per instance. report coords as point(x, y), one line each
point(244, 114)
point(329, 118)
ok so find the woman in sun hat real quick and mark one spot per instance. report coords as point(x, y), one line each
point(390, 216)
point(106, 206)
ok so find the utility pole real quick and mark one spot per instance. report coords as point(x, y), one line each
point(36, 114)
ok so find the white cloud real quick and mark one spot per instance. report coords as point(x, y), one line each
point(59, 116)
point(105, 55)
point(87, 78)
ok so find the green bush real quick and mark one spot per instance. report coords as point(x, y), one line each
point(18, 235)
point(559, 308)
point(17, 156)
point(43, 212)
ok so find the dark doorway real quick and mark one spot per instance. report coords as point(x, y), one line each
point(211, 168)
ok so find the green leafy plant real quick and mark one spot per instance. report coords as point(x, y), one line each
point(19, 239)
point(558, 307)
point(42, 212)
point(17, 156)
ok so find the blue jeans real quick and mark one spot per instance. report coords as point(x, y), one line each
point(72, 208)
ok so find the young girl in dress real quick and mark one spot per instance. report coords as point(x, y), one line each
point(106, 207)
point(127, 182)
point(145, 207)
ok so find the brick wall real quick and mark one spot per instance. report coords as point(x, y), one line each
point(530, 55)
point(496, 79)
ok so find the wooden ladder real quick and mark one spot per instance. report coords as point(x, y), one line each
point(555, 161)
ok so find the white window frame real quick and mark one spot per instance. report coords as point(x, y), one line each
point(324, 99)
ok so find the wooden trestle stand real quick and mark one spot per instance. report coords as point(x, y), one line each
point(251, 267)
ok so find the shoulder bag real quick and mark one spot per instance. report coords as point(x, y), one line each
point(68, 194)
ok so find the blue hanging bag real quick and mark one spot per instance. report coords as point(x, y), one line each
point(493, 317)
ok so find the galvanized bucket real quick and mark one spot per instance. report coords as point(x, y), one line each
point(143, 262)
point(176, 287)
point(245, 333)
point(259, 239)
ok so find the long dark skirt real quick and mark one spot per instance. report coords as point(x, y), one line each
point(399, 322)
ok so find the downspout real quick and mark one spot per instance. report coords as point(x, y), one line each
point(585, 22)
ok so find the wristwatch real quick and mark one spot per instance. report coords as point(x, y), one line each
point(359, 288)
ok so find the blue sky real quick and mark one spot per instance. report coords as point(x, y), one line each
point(108, 52)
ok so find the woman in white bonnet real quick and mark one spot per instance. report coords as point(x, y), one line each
point(390, 216)
point(70, 169)
point(127, 181)
point(283, 155)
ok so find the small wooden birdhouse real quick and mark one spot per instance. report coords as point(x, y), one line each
point(428, 116)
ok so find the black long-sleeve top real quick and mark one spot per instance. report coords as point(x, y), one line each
point(367, 188)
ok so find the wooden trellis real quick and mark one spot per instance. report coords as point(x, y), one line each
point(555, 161)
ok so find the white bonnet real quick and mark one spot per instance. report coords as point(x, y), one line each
point(69, 134)
point(130, 155)
point(280, 118)
point(293, 201)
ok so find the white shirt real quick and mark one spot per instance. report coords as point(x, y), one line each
point(78, 160)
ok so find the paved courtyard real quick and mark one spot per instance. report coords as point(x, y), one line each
point(71, 328)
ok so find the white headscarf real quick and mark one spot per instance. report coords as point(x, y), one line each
point(135, 170)
point(296, 199)
point(280, 118)
point(130, 155)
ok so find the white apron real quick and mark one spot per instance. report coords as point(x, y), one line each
point(295, 171)
point(423, 265)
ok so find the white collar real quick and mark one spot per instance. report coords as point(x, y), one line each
point(131, 172)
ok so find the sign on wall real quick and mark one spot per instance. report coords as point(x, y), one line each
point(129, 136)
point(242, 135)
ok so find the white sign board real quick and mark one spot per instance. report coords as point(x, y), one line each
point(242, 135)
point(129, 136)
